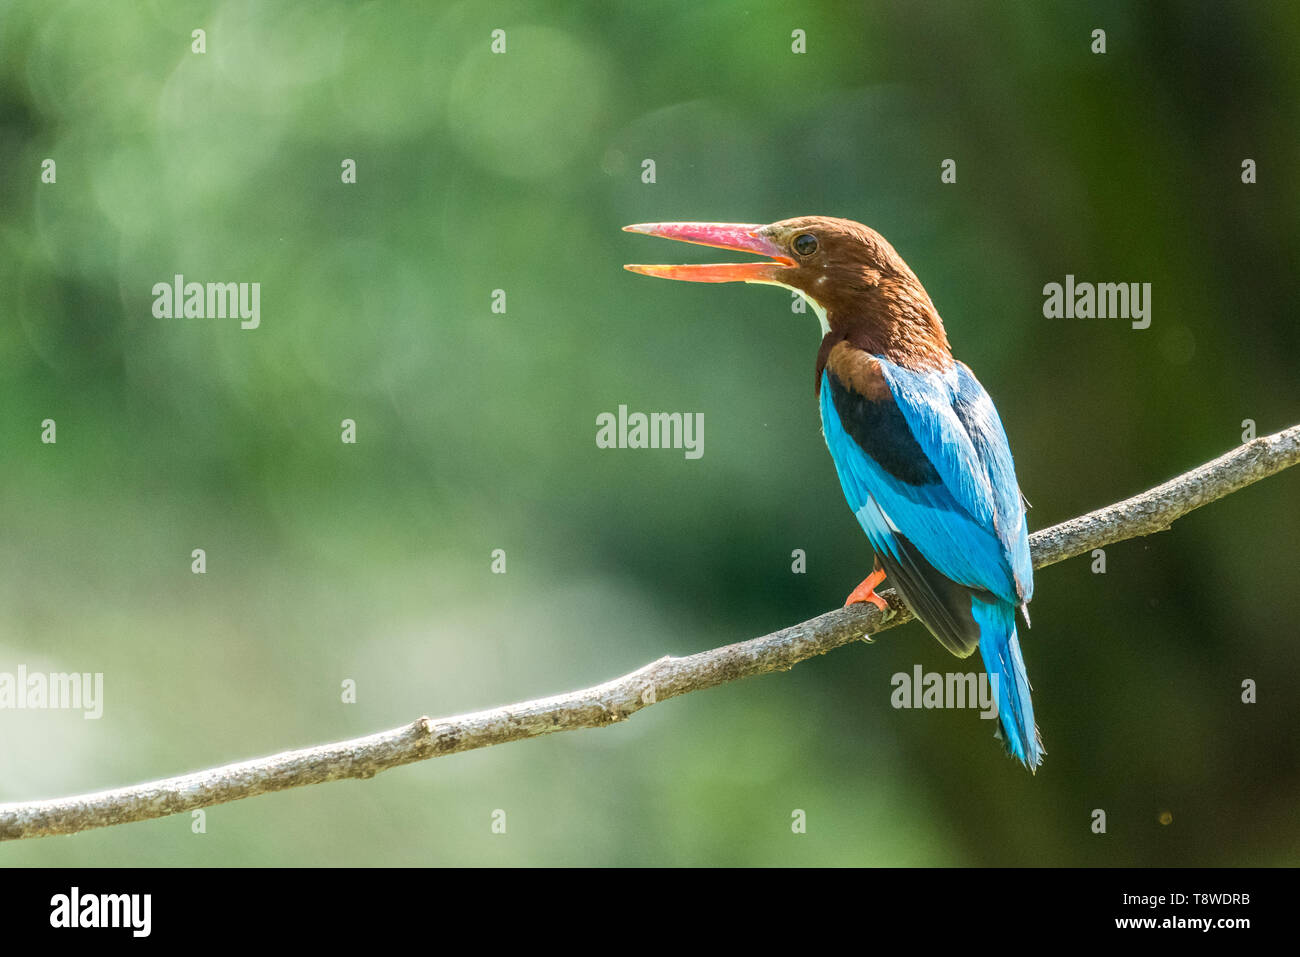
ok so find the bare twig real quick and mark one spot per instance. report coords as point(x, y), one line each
point(604, 704)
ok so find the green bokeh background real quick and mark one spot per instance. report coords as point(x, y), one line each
point(476, 430)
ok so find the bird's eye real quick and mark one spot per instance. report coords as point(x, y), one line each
point(805, 244)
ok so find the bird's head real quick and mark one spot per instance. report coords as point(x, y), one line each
point(858, 285)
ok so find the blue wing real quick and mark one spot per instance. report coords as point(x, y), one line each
point(970, 451)
point(966, 519)
point(924, 462)
point(927, 469)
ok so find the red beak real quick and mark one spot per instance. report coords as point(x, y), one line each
point(742, 237)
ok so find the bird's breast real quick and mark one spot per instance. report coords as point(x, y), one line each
point(858, 370)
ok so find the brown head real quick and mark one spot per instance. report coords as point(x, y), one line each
point(858, 285)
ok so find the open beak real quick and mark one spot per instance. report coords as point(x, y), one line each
point(742, 237)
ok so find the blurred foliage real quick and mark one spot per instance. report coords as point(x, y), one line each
point(476, 431)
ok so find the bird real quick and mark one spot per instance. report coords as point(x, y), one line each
point(920, 451)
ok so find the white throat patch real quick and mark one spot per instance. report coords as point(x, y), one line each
point(816, 306)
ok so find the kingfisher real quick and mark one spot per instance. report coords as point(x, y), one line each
point(920, 451)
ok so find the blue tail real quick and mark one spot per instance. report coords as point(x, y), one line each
point(1000, 649)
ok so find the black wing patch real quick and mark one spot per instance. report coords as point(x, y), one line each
point(881, 431)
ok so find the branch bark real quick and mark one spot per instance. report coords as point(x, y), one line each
point(1152, 511)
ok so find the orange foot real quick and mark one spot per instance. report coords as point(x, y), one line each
point(867, 591)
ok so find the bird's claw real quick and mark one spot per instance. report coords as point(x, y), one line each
point(866, 591)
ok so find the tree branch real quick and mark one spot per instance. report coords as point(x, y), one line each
point(604, 704)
